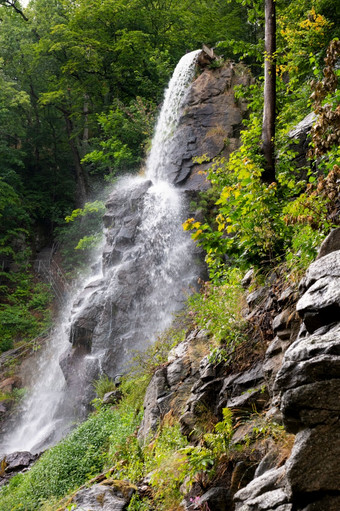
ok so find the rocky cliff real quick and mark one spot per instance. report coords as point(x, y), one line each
point(295, 382)
point(105, 328)
point(281, 384)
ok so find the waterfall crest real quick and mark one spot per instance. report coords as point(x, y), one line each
point(147, 270)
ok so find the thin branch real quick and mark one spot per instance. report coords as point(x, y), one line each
point(13, 4)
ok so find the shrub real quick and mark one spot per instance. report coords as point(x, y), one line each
point(103, 385)
point(219, 309)
point(69, 464)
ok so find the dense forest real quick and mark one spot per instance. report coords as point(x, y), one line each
point(81, 84)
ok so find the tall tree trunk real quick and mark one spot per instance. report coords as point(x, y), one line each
point(81, 181)
point(268, 125)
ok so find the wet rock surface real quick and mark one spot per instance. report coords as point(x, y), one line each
point(146, 252)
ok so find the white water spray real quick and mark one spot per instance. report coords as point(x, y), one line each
point(159, 259)
point(167, 123)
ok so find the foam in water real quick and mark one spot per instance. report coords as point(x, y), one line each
point(162, 254)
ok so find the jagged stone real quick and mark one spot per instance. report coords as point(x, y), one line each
point(274, 414)
point(270, 481)
point(269, 462)
point(256, 397)
point(177, 371)
point(179, 351)
point(285, 335)
point(326, 266)
point(207, 370)
point(273, 360)
point(309, 360)
point(209, 125)
point(288, 294)
point(212, 387)
point(104, 498)
point(248, 380)
point(112, 397)
point(314, 462)
point(157, 389)
point(246, 281)
point(255, 297)
point(303, 126)
point(301, 134)
point(320, 304)
point(216, 498)
point(310, 405)
point(283, 320)
point(17, 461)
point(268, 500)
point(330, 244)
point(188, 423)
point(243, 433)
point(277, 346)
point(238, 386)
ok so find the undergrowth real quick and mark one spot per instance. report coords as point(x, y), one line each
point(80, 456)
point(25, 313)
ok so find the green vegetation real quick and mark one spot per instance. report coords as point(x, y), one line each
point(25, 312)
point(267, 224)
point(76, 459)
point(79, 88)
point(103, 385)
point(218, 309)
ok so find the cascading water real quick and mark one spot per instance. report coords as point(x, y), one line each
point(148, 267)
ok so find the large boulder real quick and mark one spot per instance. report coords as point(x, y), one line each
point(104, 498)
point(313, 466)
point(210, 125)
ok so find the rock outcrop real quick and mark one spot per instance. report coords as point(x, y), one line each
point(144, 251)
point(113, 496)
point(14, 463)
point(296, 383)
point(307, 387)
point(210, 124)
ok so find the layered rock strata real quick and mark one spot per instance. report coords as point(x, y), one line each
point(307, 387)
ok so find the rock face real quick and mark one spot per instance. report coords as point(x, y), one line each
point(148, 262)
point(307, 386)
point(210, 124)
point(194, 388)
point(297, 382)
point(14, 463)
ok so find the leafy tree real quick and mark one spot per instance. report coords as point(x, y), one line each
point(15, 5)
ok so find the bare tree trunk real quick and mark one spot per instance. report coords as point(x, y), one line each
point(268, 125)
point(81, 181)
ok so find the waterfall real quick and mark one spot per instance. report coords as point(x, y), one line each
point(174, 99)
point(148, 269)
